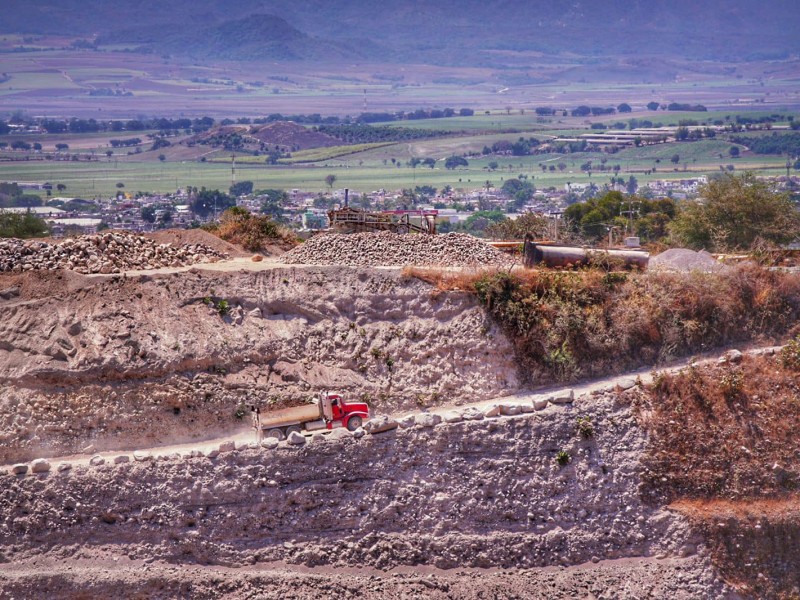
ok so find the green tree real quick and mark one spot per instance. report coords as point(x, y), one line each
point(734, 151)
point(272, 203)
point(148, 214)
point(455, 161)
point(22, 225)
point(737, 210)
point(652, 105)
point(516, 229)
point(166, 217)
point(330, 180)
point(208, 202)
point(624, 108)
point(479, 221)
point(241, 188)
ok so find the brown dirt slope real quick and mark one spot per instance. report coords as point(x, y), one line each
point(723, 449)
point(755, 543)
point(287, 134)
point(178, 237)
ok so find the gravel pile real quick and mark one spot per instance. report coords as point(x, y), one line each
point(685, 260)
point(101, 253)
point(391, 249)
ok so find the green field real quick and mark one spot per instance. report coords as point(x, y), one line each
point(99, 179)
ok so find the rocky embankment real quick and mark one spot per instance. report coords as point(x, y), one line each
point(104, 253)
point(129, 361)
point(526, 492)
point(391, 249)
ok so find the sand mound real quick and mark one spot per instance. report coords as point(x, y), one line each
point(191, 237)
point(685, 260)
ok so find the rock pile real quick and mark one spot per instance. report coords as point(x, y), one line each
point(683, 260)
point(101, 253)
point(391, 249)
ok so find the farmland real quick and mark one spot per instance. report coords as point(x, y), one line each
point(50, 79)
point(88, 171)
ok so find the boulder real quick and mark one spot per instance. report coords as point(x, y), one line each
point(492, 411)
point(380, 424)
point(141, 456)
point(296, 438)
point(270, 443)
point(510, 410)
point(734, 356)
point(407, 421)
point(539, 403)
point(122, 459)
point(452, 417)
point(229, 446)
point(472, 414)
point(63, 467)
point(563, 397)
point(40, 465)
point(359, 433)
point(626, 384)
point(97, 460)
point(428, 420)
point(19, 469)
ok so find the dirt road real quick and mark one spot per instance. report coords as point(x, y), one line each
point(580, 391)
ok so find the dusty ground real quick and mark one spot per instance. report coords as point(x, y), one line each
point(484, 494)
point(122, 362)
point(463, 509)
point(624, 579)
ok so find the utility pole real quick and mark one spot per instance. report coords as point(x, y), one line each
point(233, 168)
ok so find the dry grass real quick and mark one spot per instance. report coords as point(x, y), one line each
point(567, 325)
point(252, 232)
point(727, 431)
point(723, 449)
point(755, 545)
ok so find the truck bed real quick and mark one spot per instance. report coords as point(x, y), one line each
point(287, 416)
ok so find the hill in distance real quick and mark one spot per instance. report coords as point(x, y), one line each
point(455, 32)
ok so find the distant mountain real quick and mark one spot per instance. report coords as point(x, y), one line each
point(253, 38)
point(443, 31)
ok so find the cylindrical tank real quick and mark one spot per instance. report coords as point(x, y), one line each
point(569, 257)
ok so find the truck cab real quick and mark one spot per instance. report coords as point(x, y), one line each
point(339, 413)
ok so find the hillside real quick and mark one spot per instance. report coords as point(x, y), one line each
point(467, 32)
point(128, 466)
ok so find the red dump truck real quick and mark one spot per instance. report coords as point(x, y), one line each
point(328, 411)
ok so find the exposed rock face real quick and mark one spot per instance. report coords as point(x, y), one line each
point(482, 494)
point(104, 253)
point(131, 362)
point(390, 249)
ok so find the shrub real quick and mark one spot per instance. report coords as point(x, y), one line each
point(565, 325)
point(563, 458)
point(585, 427)
point(790, 355)
point(223, 308)
point(252, 232)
